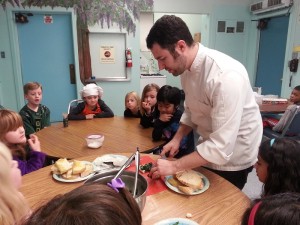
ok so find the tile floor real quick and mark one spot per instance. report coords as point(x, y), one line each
point(253, 186)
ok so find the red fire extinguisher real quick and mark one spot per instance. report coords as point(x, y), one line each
point(128, 58)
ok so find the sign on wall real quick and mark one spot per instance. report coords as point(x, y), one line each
point(108, 56)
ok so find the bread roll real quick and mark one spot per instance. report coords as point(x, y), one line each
point(190, 178)
point(78, 167)
point(69, 176)
point(186, 189)
point(63, 165)
point(54, 169)
point(174, 182)
point(88, 170)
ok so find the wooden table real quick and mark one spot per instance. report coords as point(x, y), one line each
point(120, 135)
point(273, 108)
point(222, 203)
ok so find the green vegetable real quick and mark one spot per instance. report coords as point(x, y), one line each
point(177, 223)
point(146, 167)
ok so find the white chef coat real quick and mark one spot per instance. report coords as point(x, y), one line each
point(220, 106)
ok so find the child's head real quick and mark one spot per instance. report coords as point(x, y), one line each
point(132, 100)
point(168, 99)
point(279, 209)
point(12, 206)
point(295, 95)
point(149, 94)
point(10, 174)
point(11, 128)
point(278, 165)
point(91, 93)
point(89, 204)
point(33, 93)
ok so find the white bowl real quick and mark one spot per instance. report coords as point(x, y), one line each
point(94, 140)
point(179, 221)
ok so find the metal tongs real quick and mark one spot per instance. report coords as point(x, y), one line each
point(135, 156)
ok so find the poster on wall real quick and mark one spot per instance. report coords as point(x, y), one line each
point(107, 54)
point(48, 19)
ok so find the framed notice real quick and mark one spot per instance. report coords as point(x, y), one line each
point(108, 56)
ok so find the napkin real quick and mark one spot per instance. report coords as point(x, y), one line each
point(154, 185)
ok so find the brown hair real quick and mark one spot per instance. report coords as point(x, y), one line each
point(135, 96)
point(148, 88)
point(89, 204)
point(31, 86)
point(11, 121)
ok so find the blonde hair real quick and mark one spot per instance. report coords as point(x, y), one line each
point(13, 207)
point(148, 88)
point(11, 121)
point(31, 86)
point(135, 96)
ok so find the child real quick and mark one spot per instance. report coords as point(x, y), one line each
point(35, 115)
point(295, 98)
point(89, 204)
point(132, 105)
point(149, 109)
point(165, 127)
point(12, 134)
point(278, 166)
point(13, 207)
point(279, 209)
point(92, 107)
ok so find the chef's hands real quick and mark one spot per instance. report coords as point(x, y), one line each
point(163, 167)
point(34, 142)
point(171, 149)
point(166, 166)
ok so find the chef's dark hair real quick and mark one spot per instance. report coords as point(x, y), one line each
point(167, 31)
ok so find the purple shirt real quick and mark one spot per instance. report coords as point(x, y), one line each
point(35, 161)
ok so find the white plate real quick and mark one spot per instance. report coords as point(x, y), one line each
point(60, 178)
point(177, 221)
point(204, 179)
point(118, 161)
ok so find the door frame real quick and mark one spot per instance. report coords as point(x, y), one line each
point(14, 42)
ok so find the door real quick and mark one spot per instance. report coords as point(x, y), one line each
point(46, 53)
point(271, 54)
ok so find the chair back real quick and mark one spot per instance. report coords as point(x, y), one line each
point(293, 126)
point(73, 103)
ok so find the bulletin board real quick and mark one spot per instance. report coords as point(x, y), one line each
point(108, 56)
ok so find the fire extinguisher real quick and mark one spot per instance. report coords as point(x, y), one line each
point(128, 58)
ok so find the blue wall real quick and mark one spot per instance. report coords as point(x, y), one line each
point(11, 94)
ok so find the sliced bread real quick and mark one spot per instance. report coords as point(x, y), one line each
point(190, 178)
point(78, 167)
point(63, 165)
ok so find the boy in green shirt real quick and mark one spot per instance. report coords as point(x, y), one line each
point(35, 115)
